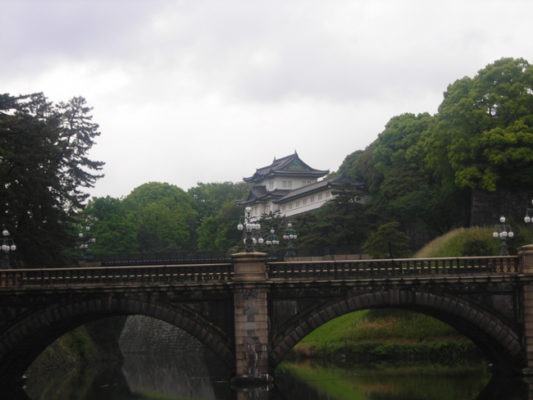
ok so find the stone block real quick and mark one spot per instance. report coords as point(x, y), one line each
point(250, 325)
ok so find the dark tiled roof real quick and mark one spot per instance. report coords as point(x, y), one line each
point(286, 166)
point(336, 181)
point(260, 193)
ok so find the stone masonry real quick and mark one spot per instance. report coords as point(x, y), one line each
point(251, 319)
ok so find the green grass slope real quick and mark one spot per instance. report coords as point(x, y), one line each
point(400, 334)
point(461, 242)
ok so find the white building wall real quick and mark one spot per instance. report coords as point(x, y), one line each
point(263, 208)
point(257, 211)
point(306, 203)
point(286, 183)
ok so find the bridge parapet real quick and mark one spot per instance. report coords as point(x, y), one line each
point(176, 274)
point(394, 267)
point(85, 276)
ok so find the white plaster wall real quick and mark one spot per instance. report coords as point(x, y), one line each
point(286, 183)
point(259, 209)
point(307, 203)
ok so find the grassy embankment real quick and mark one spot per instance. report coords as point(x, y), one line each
point(371, 335)
point(399, 334)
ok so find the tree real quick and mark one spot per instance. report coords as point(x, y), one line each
point(228, 237)
point(402, 185)
point(44, 167)
point(209, 197)
point(164, 217)
point(219, 233)
point(485, 127)
point(165, 226)
point(152, 192)
point(399, 145)
point(343, 222)
point(387, 241)
point(207, 234)
point(77, 134)
point(112, 227)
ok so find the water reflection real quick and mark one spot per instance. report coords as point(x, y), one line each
point(422, 381)
point(162, 363)
point(201, 376)
point(295, 381)
point(398, 382)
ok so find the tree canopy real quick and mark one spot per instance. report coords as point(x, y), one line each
point(421, 169)
point(44, 169)
point(484, 127)
point(160, 218)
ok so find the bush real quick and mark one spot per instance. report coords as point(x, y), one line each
point(476, 247)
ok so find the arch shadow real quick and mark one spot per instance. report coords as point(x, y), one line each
point(23, 342)
point(499, 342)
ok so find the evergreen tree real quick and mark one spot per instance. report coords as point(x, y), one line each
point(44, 167)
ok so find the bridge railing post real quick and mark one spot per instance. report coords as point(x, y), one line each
point(250, 297)
point(526, 261)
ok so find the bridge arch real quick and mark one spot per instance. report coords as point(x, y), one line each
point(25, 340)
point(499, 342)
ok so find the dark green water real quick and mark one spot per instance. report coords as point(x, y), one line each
point(195, 377)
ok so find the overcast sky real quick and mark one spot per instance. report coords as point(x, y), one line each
point(207, 91)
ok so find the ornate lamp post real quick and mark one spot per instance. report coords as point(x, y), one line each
point(8, 245)
point(249, 227)
point(85, 241)
point(503, 231)
point(290, 236)
point(272, 241)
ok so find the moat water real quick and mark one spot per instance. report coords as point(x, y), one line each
point(161, 362)
point(194, 377)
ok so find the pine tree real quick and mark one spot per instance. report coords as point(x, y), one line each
point(44, 167)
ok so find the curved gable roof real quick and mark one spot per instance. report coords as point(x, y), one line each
point(290, 165)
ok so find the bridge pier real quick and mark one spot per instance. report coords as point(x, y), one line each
point(250, 297)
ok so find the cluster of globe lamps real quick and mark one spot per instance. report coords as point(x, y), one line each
point(8, 246)
point(250, 229)
point(503, 231)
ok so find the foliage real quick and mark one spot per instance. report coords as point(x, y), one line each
point(421, 169)
point(209, 197)
point(154, 217)
point(111, 225)
point(343, 222)
point(207, 234)
point(159, 217)
point(153, 192)
point(219, 232)
point(485, 127)
point(387, 242)
point(461, 242)
point(44, 167)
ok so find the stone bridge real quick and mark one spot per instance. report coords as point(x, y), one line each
point(252, 312)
